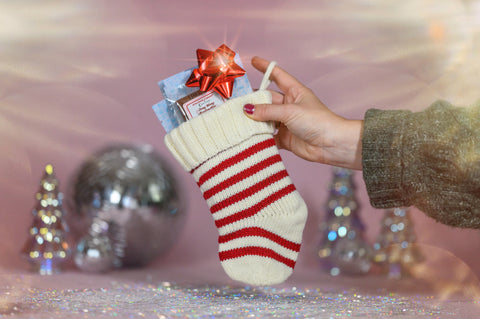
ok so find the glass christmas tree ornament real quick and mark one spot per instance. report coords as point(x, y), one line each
point(343, 249)
point(395, 250)
point(95, 252)
point(46, 247)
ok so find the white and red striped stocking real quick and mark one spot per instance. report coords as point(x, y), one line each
point(259, 214)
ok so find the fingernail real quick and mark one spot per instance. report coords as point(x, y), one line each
point(249, 108)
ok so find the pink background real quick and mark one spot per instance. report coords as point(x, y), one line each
point(79, 75)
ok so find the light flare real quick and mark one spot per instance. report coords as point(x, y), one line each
point(447, 274)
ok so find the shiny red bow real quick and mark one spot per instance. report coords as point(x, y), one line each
point(216, 71)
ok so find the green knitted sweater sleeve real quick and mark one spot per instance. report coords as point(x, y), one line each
point(429, 159)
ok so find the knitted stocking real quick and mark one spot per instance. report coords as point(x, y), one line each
point(258, 212)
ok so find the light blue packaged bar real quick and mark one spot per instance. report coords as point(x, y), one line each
point(174, 88)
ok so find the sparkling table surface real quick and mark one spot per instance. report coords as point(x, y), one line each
point(202, 292)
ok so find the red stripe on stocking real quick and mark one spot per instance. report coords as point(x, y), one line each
point(235, 159)
point(248, 192)
point(257, 231)
point(242, 175)
point(255, 251)
point(248, 212)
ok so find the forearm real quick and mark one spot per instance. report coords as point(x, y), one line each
point(429, 159)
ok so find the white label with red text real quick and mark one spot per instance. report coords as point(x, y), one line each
point(202, 103)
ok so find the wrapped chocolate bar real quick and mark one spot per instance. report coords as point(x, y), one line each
point(218, 77)
point(259, 214)
point(198, 102)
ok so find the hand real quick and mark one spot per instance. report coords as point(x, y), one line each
point(306, 126)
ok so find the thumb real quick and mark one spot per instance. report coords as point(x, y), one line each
point(266, 112)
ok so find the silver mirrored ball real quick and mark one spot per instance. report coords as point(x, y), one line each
point(132, 189)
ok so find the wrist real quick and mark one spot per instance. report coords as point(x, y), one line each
point(356, 146)
point(346, 145)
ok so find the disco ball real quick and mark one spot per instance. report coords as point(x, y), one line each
point(132, 189)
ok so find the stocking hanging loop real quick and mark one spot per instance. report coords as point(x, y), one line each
point(266, 77)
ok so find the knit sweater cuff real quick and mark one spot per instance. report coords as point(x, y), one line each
point(382, 144)
point(195, 141)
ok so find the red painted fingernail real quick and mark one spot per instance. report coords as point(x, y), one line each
point(249, 108)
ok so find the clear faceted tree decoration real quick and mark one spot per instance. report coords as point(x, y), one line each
point(46, 247)
point(343, 249)
point(96, 252)
point(395, 250)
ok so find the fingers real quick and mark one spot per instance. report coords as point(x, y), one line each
point(267, 112)
point(282, 78)
point(277, 98)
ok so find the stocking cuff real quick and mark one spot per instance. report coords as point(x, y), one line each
point(195, 141)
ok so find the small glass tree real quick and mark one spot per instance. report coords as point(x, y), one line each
point(46, 247)
point(342, 246)
point(395, 250)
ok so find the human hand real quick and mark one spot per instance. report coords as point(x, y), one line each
point(306, 126)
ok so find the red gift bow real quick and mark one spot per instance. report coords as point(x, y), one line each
point(216, 70)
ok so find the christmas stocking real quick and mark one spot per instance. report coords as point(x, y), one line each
point(259, 214)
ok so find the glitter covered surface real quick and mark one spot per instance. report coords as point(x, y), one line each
point(140, 294)
point(168, 300)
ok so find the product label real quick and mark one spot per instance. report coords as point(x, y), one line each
point(201, 104)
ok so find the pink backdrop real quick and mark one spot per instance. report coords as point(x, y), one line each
point(77, 76)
